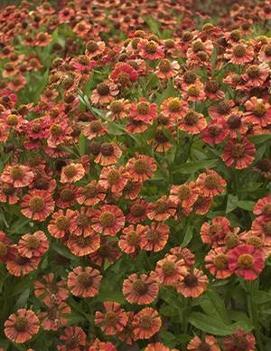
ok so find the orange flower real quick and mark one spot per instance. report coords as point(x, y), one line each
point(240, 54)
point(104, 93)
point(161, 210)
point(140, 168)
point(108, 220)
point(130, 238)
point(18, 176)
point(259, 112)
point(143, 111)
point(37, 205)
point(83, 246)
point(55, 316)
point(113, 179)
point(183, 253)
point(146, 323)
point(49, 291)
point(155, 237)
point(72, 339)
point(192, 122)
point(113, 320)
point(33, 245)
point(72, 173)
point(193, 284)
point(170, 269)
point(208, 344)
point(109, 154)
point(239, 153)
point(81, 222)
point(21, 326)
point(214, 234)
point(140, 289)
point(210, 183)
point(20, 266)
point(216, 261)
point(138, 211)
point(60, 222)
point(84, 281)
point(158, 346)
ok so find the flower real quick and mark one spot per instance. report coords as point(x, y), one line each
point(146, 323)
point(258, 112)
point(35, 244)
point(246, 261)
point(55, 316)
point(154, 237)
point(192, 122)
point(113, 320)
point(210, 183)
point(193, 283)
point(216, 261)
point(108, 220)
point(19, 265)
point(17, 175)
point(84, 281)
point(240, 54)
point(83, 245)
point(140, 168)
point(123, 74)
point(213, 234)
point(37, 205)
point(109, 153)
point(208, 344)
point(170, 269)
point(130, 238)
point(72, 339)
point(60, 222)
point(239, 153)
point(104, 93)
point(140, 289)
point(240, 341)
point(143, 111)
point(72, 173)
point(21, 326)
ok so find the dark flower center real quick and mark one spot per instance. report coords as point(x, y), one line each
point(62, 223)
point(191, 280)
point(238, 151)
point(67, 195)
point(85, 280)
point(103, 89)
point(174, 105)
point(107, 149)
point(239, 51)
point(267, 228)
point(234, 122)
point(191, 118)
point(140, 287)
point(151, 47)
point(221, 261)
point(21, 324)
point(16, 173)
point(70, 171)
point(107, 219)
point(164, 66)
point(168, 268)
point(190, 77)
point(92, 46)
point(204, 346)
point(143, 108)
point(37, 204)
point(245, 261)
point(253, 71)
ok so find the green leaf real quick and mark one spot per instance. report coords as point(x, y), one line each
point(246, 205)
point(187, 236)
point(213, 305)
point(232, 203)
point(192, 167)
point(209, 324)
point(82, 144)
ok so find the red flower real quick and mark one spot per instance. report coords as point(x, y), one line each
point(108, 220)
point(147, 323)
point(246, 261)
point(140, 168)
point(37, 205)
point(239, 153)
point(84, 281)
point(17, 175)
point(21, 326)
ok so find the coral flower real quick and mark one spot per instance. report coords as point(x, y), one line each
point(113, 320)
point(143, 111)
point(240, 54)
point(263, 206)
point(81, 221)
point(37, 205)
point(84, 245)
point(55, 316)
point(170, 269)
point(158, 346)
point(161, 210)
point(216, 261)
point(192, 122)
point(240, 341)
point(258, 112)
point(49, 290)
point(261, 226)
point(141, 168)
point(208, 344)
point(31, 245)
point(193, 284)
point(130, 238)
point(155, 237)
point(183, 253)
point(18, 176)
point(216, 131)
point(150, 50)
point(174, 108)
point(108, 155)
point(210, 183)
point(239, 153)
point(72, 173)
point(104, 93)
point(140, 289)
point(20, 266)
point(213, 234)
point(147, 323)
point(246, 261)
point(124, 74)
point(72, 339)
point(91, 194)
point(167, 69)
point(113, 179)
point(21, 326)
point(60, 222)
point(84, 281)
point(108, 220)
point(94, 48)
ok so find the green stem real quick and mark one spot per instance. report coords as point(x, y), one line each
point(253, 312)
